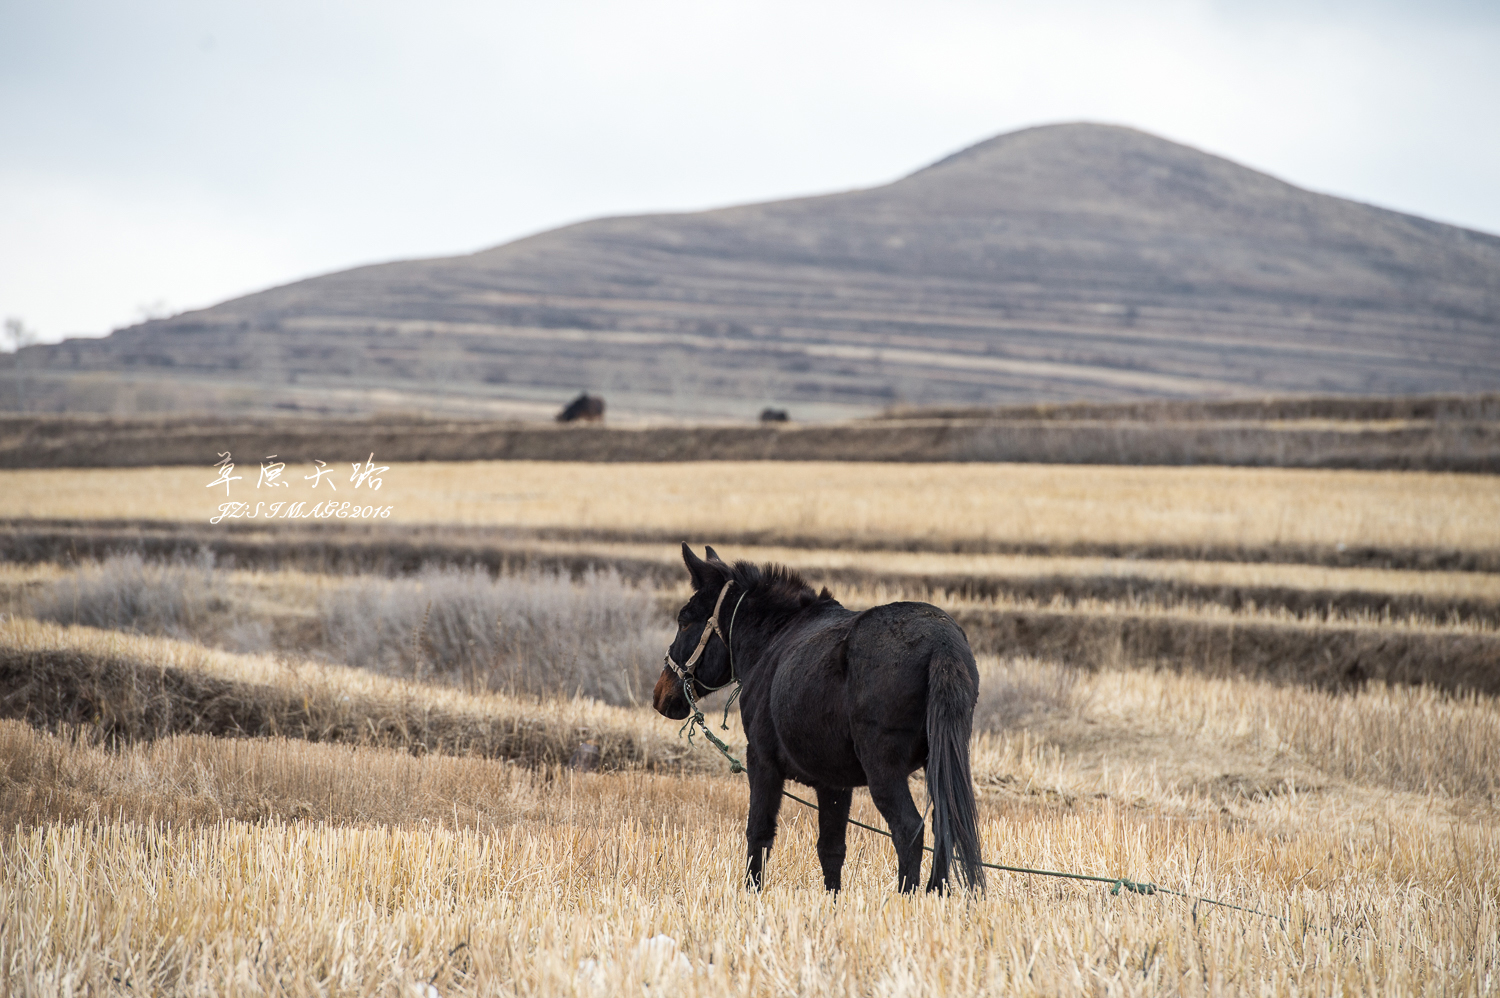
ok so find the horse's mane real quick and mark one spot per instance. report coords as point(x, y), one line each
point(778, 585)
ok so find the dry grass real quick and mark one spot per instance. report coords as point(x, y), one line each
point(387, 833)
point(837, 502)
point(531, 633)
point(1017, 691)
point(115, 686)
point(193, 865)
point(66, 776)
point(1183, 732)
point(313, 909)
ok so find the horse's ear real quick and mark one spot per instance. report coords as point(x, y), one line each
point(703, 573)
point(708, 550)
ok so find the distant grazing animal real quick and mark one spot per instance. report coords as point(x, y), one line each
point(585, 407)
point(773, 415)
point(836, 700)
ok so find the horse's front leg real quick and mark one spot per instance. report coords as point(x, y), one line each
point(766, 781)
point(833, 823)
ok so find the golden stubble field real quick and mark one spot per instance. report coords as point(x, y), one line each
point(209, 865)
point(389, 837)
point(837, 501)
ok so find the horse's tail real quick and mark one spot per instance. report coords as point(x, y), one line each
point(952, 689)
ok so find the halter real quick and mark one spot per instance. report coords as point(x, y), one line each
point(686, 671)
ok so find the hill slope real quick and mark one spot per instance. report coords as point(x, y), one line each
point(1068, 261)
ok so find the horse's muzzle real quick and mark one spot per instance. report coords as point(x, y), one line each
point(667, 698)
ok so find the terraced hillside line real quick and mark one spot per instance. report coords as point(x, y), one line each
point(1335, 653)
point(1482, 407)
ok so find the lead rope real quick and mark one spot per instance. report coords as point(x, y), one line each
point(696, 719)
point(1116, 883)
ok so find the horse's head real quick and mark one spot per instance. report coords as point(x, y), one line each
point(698, 649)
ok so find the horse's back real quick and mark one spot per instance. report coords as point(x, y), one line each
point(857, 684)
point(888, 634)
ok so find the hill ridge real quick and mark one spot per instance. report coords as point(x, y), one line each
point(1053, 263)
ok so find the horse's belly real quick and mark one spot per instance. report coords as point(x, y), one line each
point(815, 741)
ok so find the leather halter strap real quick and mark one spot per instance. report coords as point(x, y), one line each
point(710, 628)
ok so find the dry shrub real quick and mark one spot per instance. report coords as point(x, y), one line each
point(535, 633)
point(1417, 739)
point(176, 598)
point(1016, 690)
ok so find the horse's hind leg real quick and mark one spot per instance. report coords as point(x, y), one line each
point(833, 823)
point(893, 797)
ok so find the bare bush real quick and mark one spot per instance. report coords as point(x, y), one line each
point(127, 593)
point(536, 633)
point(1019, 689)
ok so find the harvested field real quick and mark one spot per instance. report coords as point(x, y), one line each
point(1338, 656)
point(1275, 688)
point(1365, 819)
point(965, 507)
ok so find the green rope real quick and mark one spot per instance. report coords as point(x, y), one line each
point(1116, 883)
point(696, 718)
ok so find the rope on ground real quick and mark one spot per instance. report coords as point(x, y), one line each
point(1117, 883)
point(695, 719)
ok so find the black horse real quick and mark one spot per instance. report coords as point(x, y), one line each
point(836, 700)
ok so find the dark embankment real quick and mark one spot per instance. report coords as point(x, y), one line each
point(1323, 656)
point(1465, 445)
point(121, 698)
point(397, 550)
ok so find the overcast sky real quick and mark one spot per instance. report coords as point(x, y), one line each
point(159, 155)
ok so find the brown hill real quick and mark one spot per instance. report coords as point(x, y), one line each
point(1054, 263)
